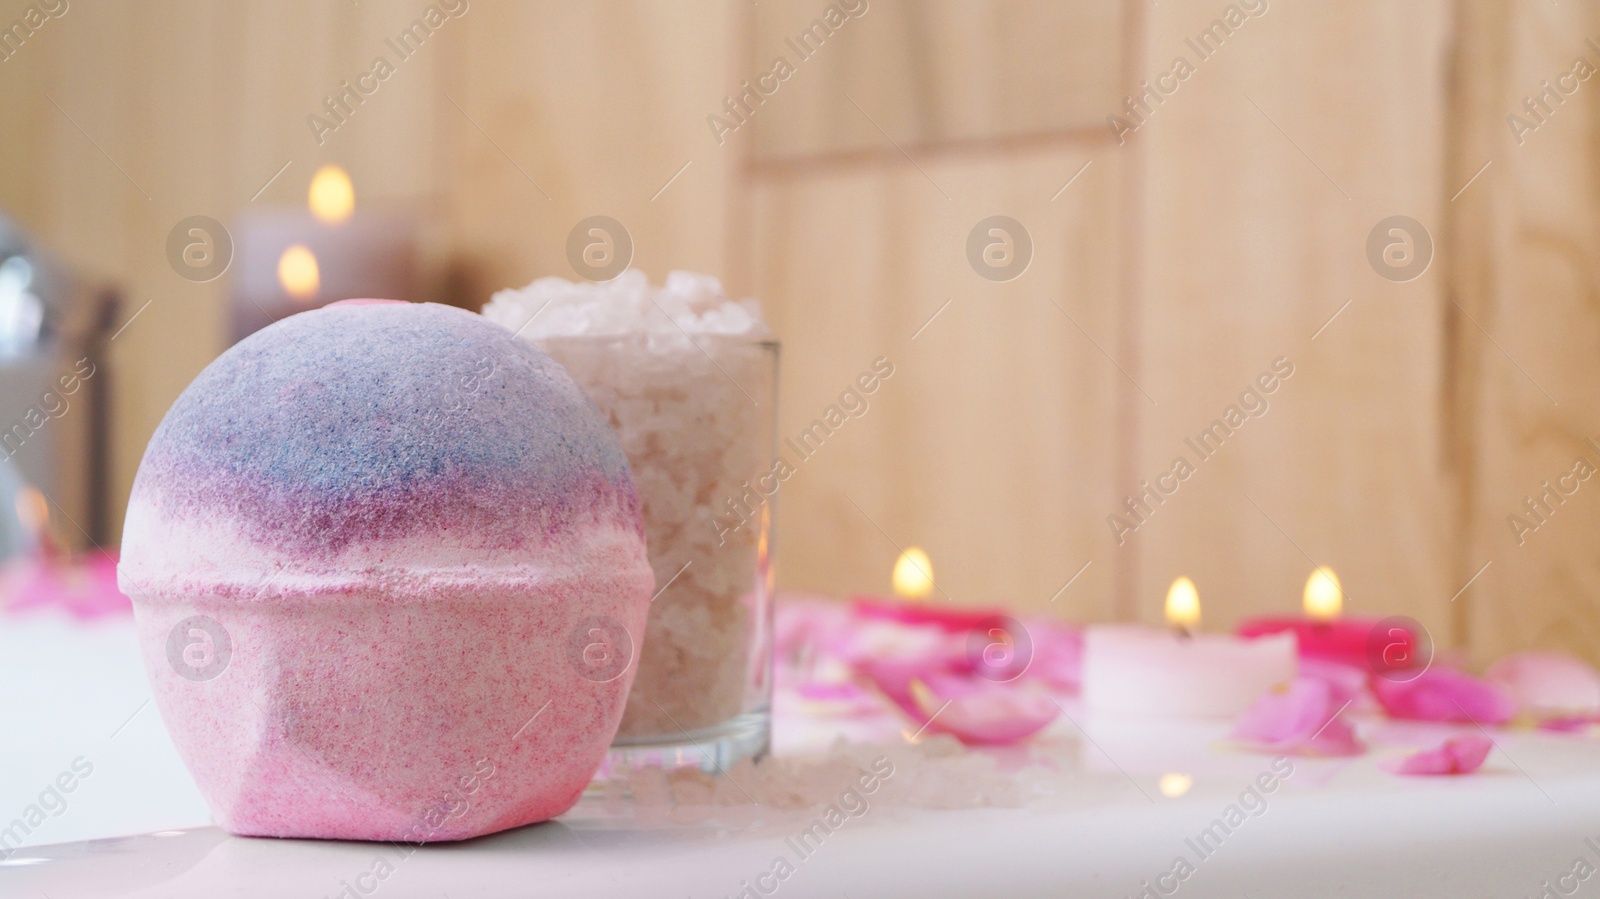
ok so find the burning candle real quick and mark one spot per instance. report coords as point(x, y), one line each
point(1323, 633)
point(289, 259)
point(1181, 672)
point(913, 586)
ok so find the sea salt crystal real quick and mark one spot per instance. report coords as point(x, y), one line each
point(934, 773)
point(687, 304)
point(687, 378)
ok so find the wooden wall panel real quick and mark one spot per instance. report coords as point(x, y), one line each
point(1267, 168)
point(602, 106)
point(1528, 332)
point(991, 444)
point(928, 73)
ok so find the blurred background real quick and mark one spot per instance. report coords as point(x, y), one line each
point(1194, 195)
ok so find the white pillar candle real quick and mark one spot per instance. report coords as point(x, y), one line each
point(1132, 670)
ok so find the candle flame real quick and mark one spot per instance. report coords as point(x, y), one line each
point(298, 273)
point(1324, 600)
point(1183, 604)
point(332, 197)
point(33, 510)
point(913, 574)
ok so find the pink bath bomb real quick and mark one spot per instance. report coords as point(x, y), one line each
point(389, 573)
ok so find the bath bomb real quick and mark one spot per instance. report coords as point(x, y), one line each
point(388, 569)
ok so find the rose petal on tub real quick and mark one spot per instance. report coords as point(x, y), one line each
point(979, 712)
point(1548, 684)
point(1304, 718)
point(1457, 755)
point(1443, 694)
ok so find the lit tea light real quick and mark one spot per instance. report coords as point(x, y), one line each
point(912, 579)
point(1183, 605)
point(1181, 672)
point(298, 274)
point(1174, 784)
point(913, 574)
point(1323, 599)
point(1324, 632)
point(332, 197)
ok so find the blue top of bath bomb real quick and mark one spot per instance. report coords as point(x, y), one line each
point(374, 420)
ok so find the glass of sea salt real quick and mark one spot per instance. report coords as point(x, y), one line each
point(688, 378)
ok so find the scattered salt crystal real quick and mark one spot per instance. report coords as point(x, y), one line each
point(935, 773)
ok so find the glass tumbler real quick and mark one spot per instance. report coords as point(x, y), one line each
point(697, 418)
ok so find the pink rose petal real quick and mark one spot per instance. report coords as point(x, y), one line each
point(1457, 755)
point(1570, 724)
point(1442, 694)
point(806, 626)
point(918, 647)
point(979, 711)
point(1303, 719)
point(1548, 683)
point(1003, 718)
point(976, 711)
point(1351, 682)
point(86, 587)
point(843, 700)
point(920, 656)
point(894, 681)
